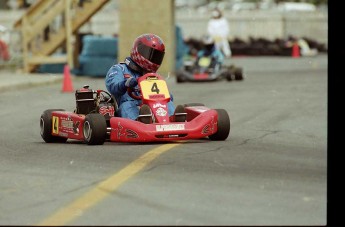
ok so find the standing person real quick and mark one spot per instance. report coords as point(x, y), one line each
point(146, 56)
point(218, 29)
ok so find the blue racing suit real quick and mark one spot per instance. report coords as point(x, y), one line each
point(115, 83)
point(216, 54)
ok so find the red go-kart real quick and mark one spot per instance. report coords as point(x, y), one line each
point(95, 118)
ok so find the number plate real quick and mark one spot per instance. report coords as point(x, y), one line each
point(204, 62)
point(151, 89)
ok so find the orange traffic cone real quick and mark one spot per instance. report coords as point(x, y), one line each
point(67, 85)
point(295, 50)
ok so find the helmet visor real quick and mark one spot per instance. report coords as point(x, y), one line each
point(151, 54)
point(209, 47)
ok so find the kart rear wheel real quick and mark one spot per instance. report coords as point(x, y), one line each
point(94, 129)
point(223, 126)
point(230, 74)
point(46, 127)
point(238, 74)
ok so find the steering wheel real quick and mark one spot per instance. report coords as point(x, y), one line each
point(131, 91)
point(108, 98)
point(105, 96)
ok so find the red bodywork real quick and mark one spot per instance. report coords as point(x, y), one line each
point(202, 123)
point(200, 76)
point(67, 124)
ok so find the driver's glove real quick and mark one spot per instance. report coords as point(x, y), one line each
point(131, 82)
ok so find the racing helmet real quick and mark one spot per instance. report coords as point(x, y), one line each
point(148, 52)
point(208, 42)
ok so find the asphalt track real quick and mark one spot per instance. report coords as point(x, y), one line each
point(272, 170)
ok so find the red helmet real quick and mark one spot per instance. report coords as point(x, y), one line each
point(148, 52)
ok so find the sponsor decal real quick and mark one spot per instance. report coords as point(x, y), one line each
point(69, 125)
point(104, 110)
point(158, 105)
point(55, 123)
point(131, 134)
point(206, 129)
point(158, 96)
point(63, 134)
point(161, 112)
point(213, 123)
point(209, 127)
point(119, 130)
point(76, 127)
point(172, 127)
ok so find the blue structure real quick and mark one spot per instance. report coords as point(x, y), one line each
point(181, 48)
point(97, 56)
point(99, 53)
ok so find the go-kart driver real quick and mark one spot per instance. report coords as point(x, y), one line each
point(210, 50)
point(146, 56)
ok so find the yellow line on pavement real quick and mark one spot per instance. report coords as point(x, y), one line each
point(103, 189)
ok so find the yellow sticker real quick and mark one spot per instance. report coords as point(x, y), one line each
point(152, 89)
point(204, 61)
point(55, 125)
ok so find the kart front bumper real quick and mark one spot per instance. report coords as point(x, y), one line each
point(127, 130)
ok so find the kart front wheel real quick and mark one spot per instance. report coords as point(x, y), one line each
point(223, 125)
point(180, 76)
point(46, 125)
point(179, 79)
point(94, 129)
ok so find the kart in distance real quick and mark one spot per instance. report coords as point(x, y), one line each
point(205, 69)
point(95, 119)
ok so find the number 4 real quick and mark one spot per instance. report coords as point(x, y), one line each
point(55, 125)
point(154, 88)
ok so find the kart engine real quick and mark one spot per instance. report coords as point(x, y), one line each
point(85, 101)
point(99, 101)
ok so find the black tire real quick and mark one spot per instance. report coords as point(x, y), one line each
point(180, 114)
point(231, 73)
point(180, 76)
point(94, 129)
point(230, 76)
point(193, 104)
point(46, 127)
point(223, 125)
point(179, 79)
point(238, 74)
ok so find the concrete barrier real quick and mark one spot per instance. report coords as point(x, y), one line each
point(260, 24)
